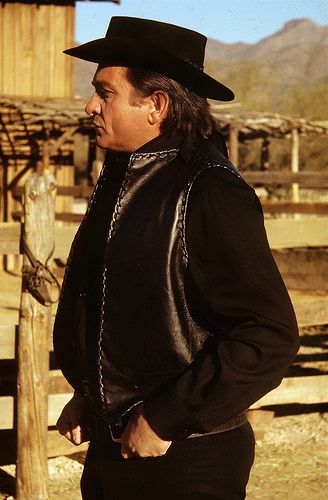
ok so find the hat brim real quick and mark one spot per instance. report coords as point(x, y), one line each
point(118, 51)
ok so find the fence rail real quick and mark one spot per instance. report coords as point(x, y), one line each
point(282, 233)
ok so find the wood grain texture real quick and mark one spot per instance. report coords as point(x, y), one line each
point(33, 346)
point(32, 40)
point(302, 390)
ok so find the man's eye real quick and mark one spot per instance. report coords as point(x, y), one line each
point(104, 94)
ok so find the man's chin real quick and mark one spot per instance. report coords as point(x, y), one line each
point(102, 143)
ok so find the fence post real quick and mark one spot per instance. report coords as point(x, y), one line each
point(295, 164)
point(234, 145)
point(33, 345)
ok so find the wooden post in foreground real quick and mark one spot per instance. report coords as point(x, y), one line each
point(33, 346)
point(234, 145)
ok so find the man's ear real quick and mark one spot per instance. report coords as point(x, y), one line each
point(159, 105)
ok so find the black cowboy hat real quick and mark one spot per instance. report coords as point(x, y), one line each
point(165, 48)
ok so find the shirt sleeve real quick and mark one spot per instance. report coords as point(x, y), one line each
point(235, 291)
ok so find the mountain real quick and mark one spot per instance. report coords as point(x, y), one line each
point(279, 68)
point(298, 52)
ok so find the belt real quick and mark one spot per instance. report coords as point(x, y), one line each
point(116, 428)
point(227, 426)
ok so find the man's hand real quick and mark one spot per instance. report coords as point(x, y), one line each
point(140, 440)
point(72, 421)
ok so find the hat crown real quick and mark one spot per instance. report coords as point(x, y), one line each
point(183, 43)
point(175, 52)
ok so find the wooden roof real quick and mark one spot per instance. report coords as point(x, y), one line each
point(260, 125)
point(71, 113)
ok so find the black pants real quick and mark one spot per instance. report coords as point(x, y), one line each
point(216, 466)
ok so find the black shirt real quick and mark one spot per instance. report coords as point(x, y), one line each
point(233, 281)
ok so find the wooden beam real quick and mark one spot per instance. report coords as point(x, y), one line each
point(287, 207)
point(310, 309)
point(289, 233)
point(56, 403)
point(301, 390)
point(303, 268)
point(304, 179)
point(6, 412)
point(57, 445)
point(80, 191)
point(234, 145)
point(65, 217)
point(295, 163)
point(58, 384)
point(64, 236)
point(33, 339)
point(7, 341)
point(10, 238)
point(282, 233)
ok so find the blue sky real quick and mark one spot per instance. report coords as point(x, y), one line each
point(229, 21)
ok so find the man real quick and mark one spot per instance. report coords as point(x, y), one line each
point(173, 317)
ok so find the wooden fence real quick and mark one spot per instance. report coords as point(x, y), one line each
point(299, 247)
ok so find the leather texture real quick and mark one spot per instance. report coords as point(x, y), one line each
point(147, 335)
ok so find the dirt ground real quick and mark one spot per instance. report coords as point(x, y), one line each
point(291, 458)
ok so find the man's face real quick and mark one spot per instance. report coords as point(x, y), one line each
point(121, 118)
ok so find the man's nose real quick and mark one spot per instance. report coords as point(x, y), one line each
point(93, 106)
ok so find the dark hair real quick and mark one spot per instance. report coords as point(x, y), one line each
point(188, 113)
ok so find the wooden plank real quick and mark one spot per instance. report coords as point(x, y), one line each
point(289, 233)
point(7, 341)
point(9, 238)
point(64, 236)
point(78, 191)
point(310, 309)
point(302, 390)
point(8, 68)
point(58, 384)
point(304, 179)
point(57, 445)
point(65, 217)
point(286, 207)
point(33, 340)
point(6, 412)
point(234, 145)
point(56, 403)
point(303, 268)
point(282, 233)
point(24, 46)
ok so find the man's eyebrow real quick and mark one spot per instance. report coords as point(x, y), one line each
point(102, 84)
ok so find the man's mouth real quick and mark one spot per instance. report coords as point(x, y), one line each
point(98, 128)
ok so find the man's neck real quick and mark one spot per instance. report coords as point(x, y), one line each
point(162, 143)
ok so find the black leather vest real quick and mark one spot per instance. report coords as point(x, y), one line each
point(146, 335)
